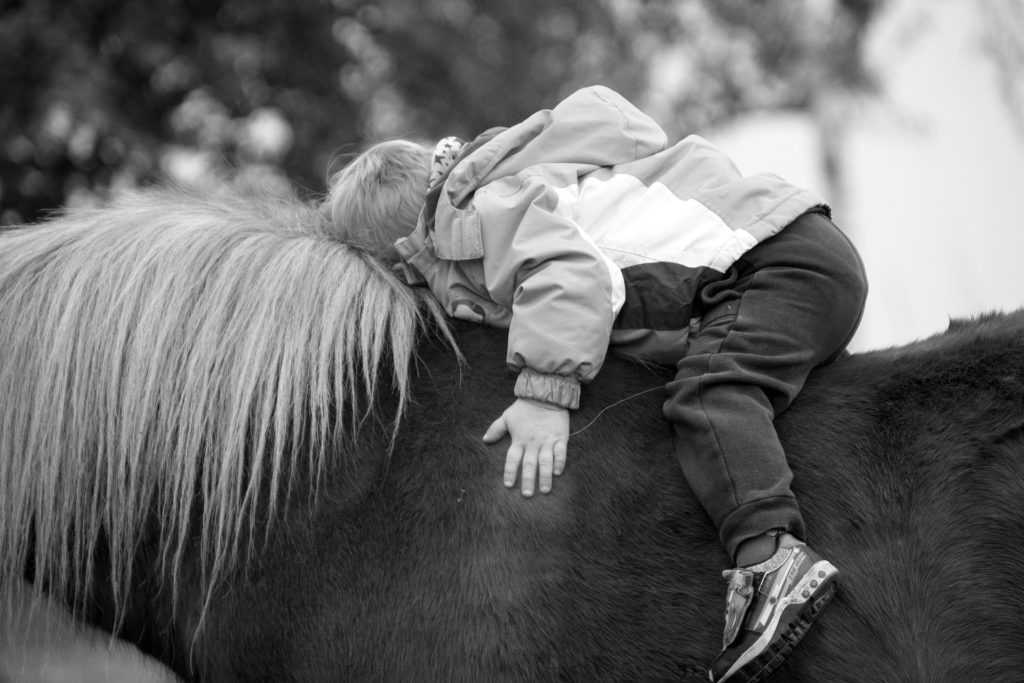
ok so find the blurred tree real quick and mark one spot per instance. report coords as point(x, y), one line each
point(101, 94)
point(1003, 22)
point(110, 93)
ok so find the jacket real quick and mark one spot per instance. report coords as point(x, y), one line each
point(581, 227)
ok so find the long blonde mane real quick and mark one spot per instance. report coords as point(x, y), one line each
point(156, 356)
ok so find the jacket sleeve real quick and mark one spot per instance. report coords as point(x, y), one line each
point(564, 292)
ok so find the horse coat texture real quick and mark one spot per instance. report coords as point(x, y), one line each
point(402, 557)
point(909, 465)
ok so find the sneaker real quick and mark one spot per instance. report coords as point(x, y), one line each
point(769, 607)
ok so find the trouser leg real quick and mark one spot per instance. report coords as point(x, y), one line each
point(791, 304)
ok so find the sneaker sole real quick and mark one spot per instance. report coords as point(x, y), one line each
point(765, 663)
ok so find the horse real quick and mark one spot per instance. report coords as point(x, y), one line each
point(252, 451)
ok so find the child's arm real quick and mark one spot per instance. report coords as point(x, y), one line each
point(565, 295)
point(539, 434)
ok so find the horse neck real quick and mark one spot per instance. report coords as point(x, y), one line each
point(159, 354)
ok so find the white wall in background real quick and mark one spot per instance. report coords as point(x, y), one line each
point(934, 170)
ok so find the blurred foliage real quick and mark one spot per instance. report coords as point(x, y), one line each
point(100, 94)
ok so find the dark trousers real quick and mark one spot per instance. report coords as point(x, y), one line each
point(790, 304)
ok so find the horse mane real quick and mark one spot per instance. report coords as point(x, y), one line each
point(155, 357)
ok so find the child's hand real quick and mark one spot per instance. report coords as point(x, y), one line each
point(540, 434)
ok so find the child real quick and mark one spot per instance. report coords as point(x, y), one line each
point(581, 227)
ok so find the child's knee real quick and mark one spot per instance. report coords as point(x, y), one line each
point(851, 281)
point(837, 261)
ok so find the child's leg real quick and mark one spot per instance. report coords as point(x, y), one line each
point(792, 303)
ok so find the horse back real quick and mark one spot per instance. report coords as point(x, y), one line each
point(420, 565)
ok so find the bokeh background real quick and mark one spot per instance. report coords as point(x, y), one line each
point(907, 114)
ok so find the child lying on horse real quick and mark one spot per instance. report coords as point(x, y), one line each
point(582, 227)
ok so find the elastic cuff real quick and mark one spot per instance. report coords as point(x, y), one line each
point(557, 389)
point(758, 516)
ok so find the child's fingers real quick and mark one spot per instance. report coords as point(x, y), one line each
point(497, 431)
point(545, 463)
point(512, 459)
point(528, 476)
point(560, 454)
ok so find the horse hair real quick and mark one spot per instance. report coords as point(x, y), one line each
point(197, 328)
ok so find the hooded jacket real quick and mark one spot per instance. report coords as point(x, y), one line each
point(581, 227)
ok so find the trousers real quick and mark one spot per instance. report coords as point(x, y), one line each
point(790, 304)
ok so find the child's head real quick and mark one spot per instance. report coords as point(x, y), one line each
point(376, 199)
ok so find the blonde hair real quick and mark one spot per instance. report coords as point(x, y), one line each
point(377, 198)
point(177, 358)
